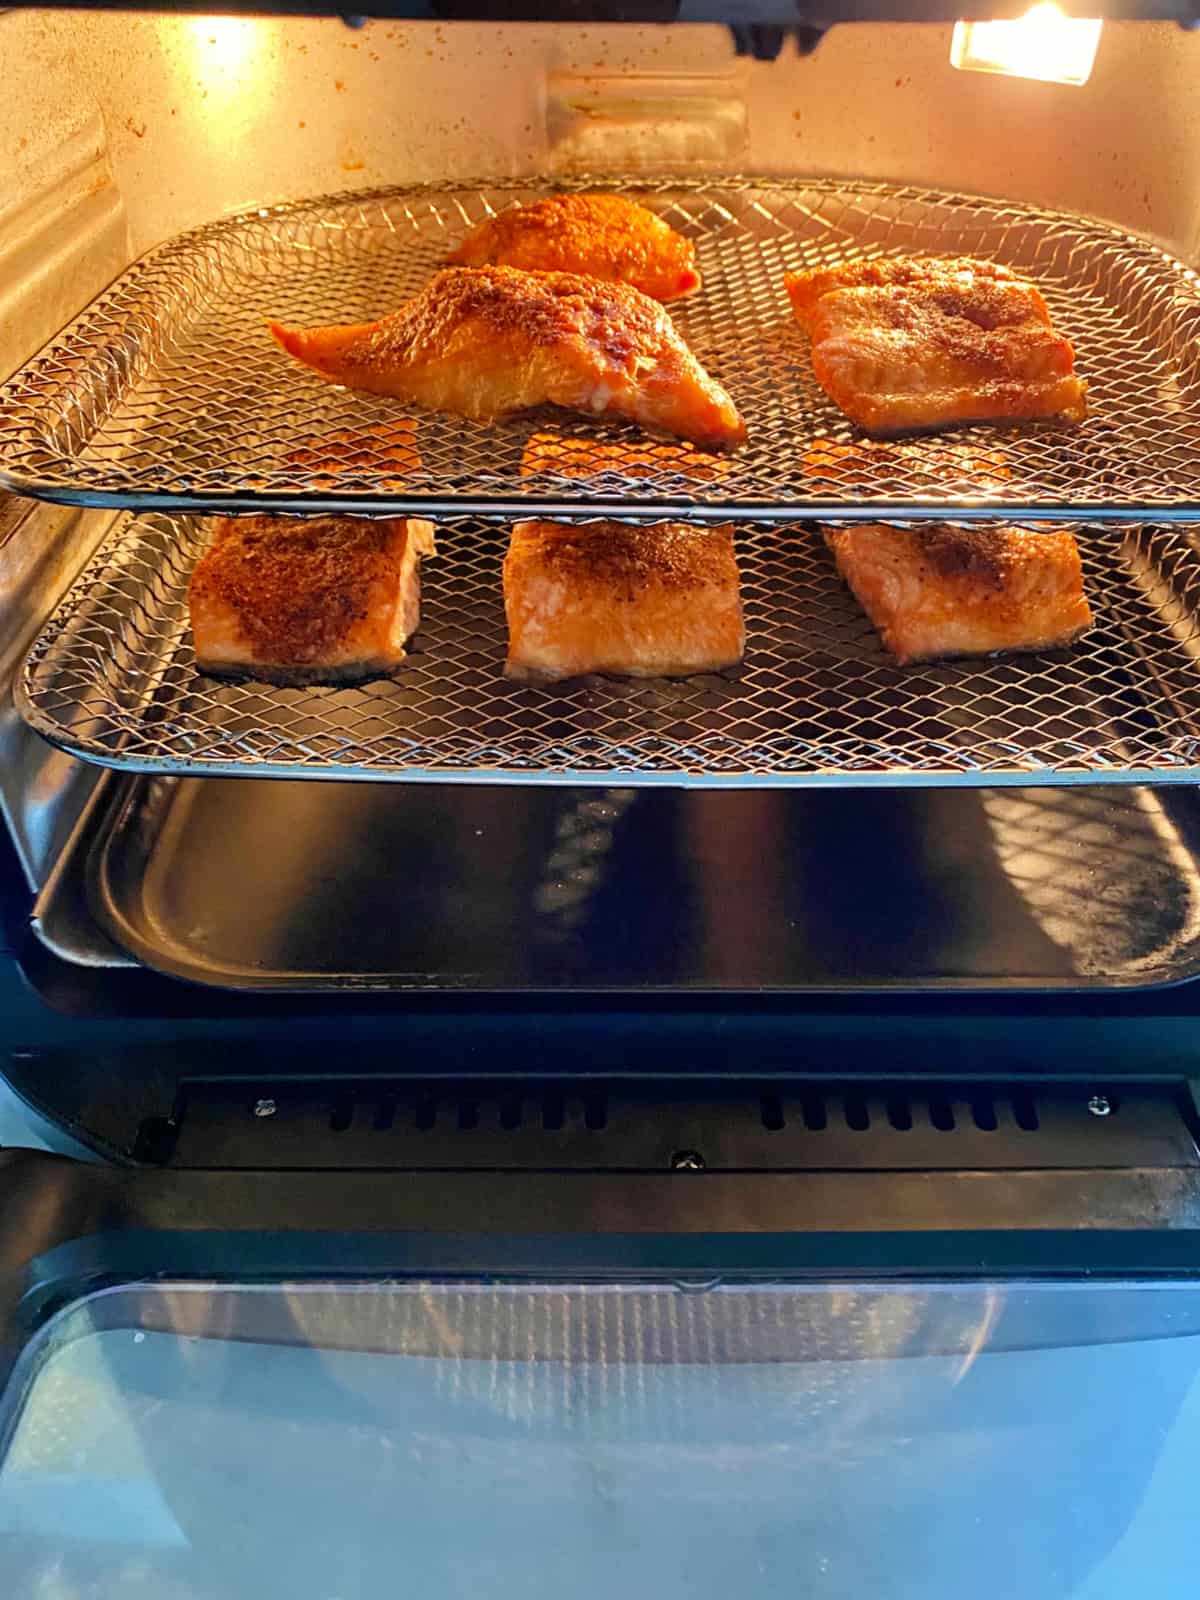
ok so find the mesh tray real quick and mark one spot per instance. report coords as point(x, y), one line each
point(816, 701)
point(169, 393)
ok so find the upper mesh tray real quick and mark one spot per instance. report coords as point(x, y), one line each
point(169, 392)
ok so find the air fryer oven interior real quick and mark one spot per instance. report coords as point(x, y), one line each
point(122, 130)
point(692, 1156)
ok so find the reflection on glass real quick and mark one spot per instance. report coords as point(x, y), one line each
point(345, 1442)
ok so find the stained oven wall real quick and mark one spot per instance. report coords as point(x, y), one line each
point(193, 116)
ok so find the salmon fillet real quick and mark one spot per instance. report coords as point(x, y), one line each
point(648, 602)
point(920, 344)
point(938, 590)
point(599, 235)
point(482, 342)
point(307, 600)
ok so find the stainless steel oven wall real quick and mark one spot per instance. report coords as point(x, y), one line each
point(42, 791)
point(195, 116)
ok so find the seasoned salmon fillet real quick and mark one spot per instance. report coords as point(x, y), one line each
point(900, 272)
point(482, 342)
point(307, 600)
point(641, 602)
point(599, 235)
point(915, 345)
point(940, 590)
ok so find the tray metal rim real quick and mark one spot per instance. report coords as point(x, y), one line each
point(647, 509)
point(1043, 776)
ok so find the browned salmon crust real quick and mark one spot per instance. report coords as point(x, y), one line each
point(916, 345)
point(660, 601)
point(938, 590)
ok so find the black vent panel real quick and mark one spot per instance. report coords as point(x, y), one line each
point(727, 1127)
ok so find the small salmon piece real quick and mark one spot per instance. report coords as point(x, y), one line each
point(389, 453)
point(861, 462)
point(483, 342)
point(918, 345)
point(582, 459)
point(294, 600)
point(640, 602)
point(598, 235)
point(937, 590)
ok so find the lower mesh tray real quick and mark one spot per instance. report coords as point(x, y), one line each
point(817, 700)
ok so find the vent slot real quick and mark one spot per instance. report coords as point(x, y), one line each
point(595, 1113)
point(771, 1113)
point(813, 1110)
point(941, 1113)
point(425, 1116)
point(554, 1111)
point(899, 1113)
point(858, 1118)
point(511, 1111)
point(342, 1115)
point(1025, 1112)
point(468, 1115)
point(983, 1113)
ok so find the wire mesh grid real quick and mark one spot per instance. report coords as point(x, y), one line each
point(817, 699)
point(169, 392)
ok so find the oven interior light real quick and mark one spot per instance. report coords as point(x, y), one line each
point(225, 47)
point(1043, 44)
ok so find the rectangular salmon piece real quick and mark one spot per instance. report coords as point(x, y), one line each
point(915, 345)
point(301, 600)
point(641, 602)
point(937, 590)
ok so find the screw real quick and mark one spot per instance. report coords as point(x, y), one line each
point(264, 1108)
point(1100, 1105)
point(687, 1161)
